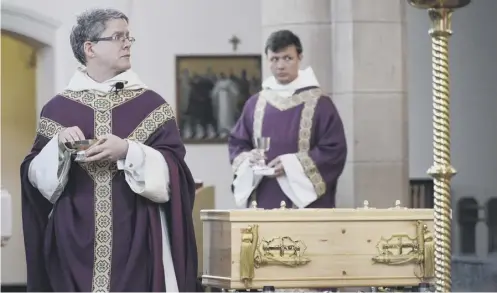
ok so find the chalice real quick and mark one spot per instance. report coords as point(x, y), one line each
point(262, 145)
point(78, 148)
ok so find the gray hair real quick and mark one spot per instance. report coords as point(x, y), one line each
point(89, 26)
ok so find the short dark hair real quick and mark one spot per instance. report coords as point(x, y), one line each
point(90, 25)
point(281, 39)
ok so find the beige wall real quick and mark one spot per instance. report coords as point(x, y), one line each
point(18, 126)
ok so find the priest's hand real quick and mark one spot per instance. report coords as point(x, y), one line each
point(108, 148)
point(255, 157)
point(278, 167)
point(71, 134)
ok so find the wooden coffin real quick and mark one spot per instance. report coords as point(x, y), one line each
point(204, 199)
point(317, 248)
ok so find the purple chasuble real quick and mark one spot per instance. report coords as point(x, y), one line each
point(306, 124)
point(99, 235)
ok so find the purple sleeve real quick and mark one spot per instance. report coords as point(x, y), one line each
point(240, 139)
point(324, 162)
point(167, 141)
point(35, 211)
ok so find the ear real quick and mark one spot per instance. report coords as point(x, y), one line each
point(88, 49)
point(301, 56)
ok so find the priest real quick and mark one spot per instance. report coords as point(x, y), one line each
point(307, 147)
point(120, 217)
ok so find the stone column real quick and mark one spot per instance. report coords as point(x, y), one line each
point(310, 20)
point(369, 89)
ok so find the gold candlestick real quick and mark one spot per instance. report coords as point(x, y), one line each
point(440, 12)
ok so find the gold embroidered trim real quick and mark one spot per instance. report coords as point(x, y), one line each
point(309, 98)
point(102, 173)
point(102, 102)
point(48, 128)
point(285, 103)
point(312, 173)
point(152, 122)
point(305, 131)
point(260, 107)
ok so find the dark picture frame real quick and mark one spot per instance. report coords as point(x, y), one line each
point(211, 91)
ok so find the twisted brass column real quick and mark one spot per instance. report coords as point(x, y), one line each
point(440, 12)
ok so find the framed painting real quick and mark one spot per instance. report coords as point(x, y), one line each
point(211, 92)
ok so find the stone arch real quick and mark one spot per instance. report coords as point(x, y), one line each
point(41, 31)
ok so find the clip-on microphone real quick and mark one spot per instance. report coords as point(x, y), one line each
point(118, 86)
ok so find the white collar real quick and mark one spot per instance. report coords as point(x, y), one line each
point(305, 78)
point(80, 81)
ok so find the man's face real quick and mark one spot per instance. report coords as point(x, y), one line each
point(284, 64)
point(113, 54)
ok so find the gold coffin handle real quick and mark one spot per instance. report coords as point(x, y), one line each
point(427, 241)
point(277, 251)
point(250, 238)
point(422, 251)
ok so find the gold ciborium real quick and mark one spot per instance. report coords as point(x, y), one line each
point(78, 148)
point(440, 13)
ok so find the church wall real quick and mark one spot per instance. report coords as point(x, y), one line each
point(166, 28)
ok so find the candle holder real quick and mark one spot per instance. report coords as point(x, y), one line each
point(440, 13)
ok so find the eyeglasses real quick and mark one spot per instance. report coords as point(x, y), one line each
point(116, 38)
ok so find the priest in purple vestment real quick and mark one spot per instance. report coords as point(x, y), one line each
point(121, 218)
point(307, 141)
